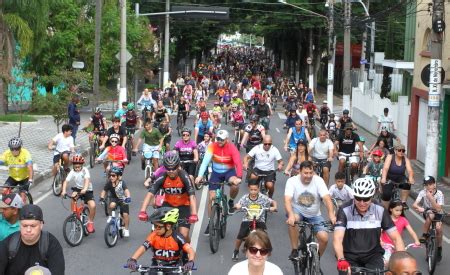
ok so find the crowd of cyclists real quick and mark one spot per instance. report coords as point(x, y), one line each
point(244, 86)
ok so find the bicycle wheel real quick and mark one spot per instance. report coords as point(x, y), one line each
point(56, 185)
point(28, 197)
point(237, 139)
point(296, 264)
point(106, 204)
point(179, 125)
point(223, 223)
point(226, 117)
point(85, 220)
point(129, 146)
point(214, 229)
point(73, 230)
point(313, 261)
point(147, 172)
point(431, 255)
point(92, 154)
point(110, 234)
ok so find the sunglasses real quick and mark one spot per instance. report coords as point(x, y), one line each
point(15, 150)
point(401, 150)
point(172, 170)
point(114, 141)
point(219, 139)
point(158, 227)
point(363, 199)
point(186, 135)
point(113, 176)
point(267, 144)
point(262, 251)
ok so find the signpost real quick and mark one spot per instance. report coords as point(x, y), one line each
point(435, 83)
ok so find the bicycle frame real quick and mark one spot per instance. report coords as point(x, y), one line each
point(256, 216)
point(431, 241)
point(19, 189)
point(348, 167)
point(318, 167)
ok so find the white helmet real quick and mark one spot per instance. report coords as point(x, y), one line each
point(222, 134)
point(363, 188)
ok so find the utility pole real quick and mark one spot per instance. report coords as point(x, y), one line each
point(362, 68)
point(331, 54)
point(372, 58)
point(310, 65)
point(98, 29)
point(435, 89)
point(347, 86)
point(123, 50)
point(166, 45)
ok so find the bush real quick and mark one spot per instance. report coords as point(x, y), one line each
point(52, 104)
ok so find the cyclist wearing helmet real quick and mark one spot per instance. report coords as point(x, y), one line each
point(115, 153)
point(342, 123)
point(331, 127)
point(119, 194)
point(358, 227)
point(324, 112)
point(64, 145)
point(226, 166)
point(237, 119)
point(20, 164)
point(182, 107)
point(254, 134)
point(153, 141)
point(187, 149)
point(264, 112)
point(98, 123)
point(204, 124)
point(179, 193)
point(131, 119)
point(374, 166)
point(291, 119)
point(166, 244)
point(236, 100)
point(79, 180)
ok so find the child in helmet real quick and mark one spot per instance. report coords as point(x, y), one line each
point(375, 166)
point(115, 153)
point(79, 179)
point(167, 244)
point(119, 194)
point(132, 120)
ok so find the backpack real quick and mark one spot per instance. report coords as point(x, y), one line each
point(14, 245)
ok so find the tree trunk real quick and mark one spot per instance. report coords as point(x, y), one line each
point(3, 64)
point(317, 58)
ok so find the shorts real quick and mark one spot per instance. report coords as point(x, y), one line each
point(220, 177)
point(154, 149)
point(189, 168)
point(23, 184)
point(292, 148)
point(244, 230)
point(167, 139)
point(388, 188)
point(88, 196)
point(184, 213)
point(57, 157)
point(326, 164)
point(352, 159)
point(270, 175)
point(124, 208)
point(315, 220)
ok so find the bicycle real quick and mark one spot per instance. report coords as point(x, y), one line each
point(318, 167)
point(148, 157)
point(205, 176)
point(237, 134)
point(312, 127)
point(75, 225)
point(255, 215)
point(348, 167)
point(218, 219)
point(389, 249)
point(161, 269)
point(108, 196)
point(129, 144)
point(431, 240)
point(59, 177)
point(114, 227)
point(94, 146)
point(308, 261)
point(265, 122)
point(19, 189)
point(336, 204)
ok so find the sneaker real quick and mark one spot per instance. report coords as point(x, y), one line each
point(439, 254)
point(294, 254)
point(230, 207)
point(126, 233)
point(424, 238)
point(235, 256)
point(90, 227)
point(405, 206)
point(206, 233)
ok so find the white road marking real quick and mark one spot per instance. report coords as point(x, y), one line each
point(420, 218)
point(43, 197)
point(200, 214)
point(282, 116)
point(278, 130)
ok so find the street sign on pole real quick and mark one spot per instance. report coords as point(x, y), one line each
point(435, 83)
point(128, 56)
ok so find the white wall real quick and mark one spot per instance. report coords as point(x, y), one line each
point(366, 109)
point(396, 82)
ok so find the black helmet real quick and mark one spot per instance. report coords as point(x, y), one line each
point(345, 112)
point(165, 215)
point(15, 143)
point(171, 160)
point(254, 118)
point(186, 130)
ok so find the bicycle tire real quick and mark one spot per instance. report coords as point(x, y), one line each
point(223, 222)
point(28, 197)
point(122, 227)
point(431, 255)
point(91, 154)
point(179, 125)
point(237, 139)
point(313, 261)
point(56, 184)
point(214, 229)
point(75, 227)
point(296, 264)
point(111, 234)
point(129, 149)
point(106, 204)
point(85, 219)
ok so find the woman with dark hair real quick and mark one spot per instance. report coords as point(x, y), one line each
point(300, 155)
point(257, 248)
point(381, 145)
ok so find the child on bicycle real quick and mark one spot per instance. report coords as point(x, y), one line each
point(114, 153)
point(165, 129)
point(80, 180)
point(430, 198)
point(374, 167)
point(401, 223)
point(166, 243)
point(340, 191)
point(120, 194)
point(254, 200)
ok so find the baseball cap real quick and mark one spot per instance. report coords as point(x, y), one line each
point(11, 200)
point(348, 126)
point(31, 212)
point(37, 270)
point(399, 147)
point(428, 180)
point(222, 134)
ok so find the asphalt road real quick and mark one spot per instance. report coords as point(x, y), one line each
point(94, 257)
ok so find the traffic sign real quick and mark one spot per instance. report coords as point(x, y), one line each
point(309, 60)
point(128, 56)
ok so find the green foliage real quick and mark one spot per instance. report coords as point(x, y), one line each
point(17, 118)
point(53, 104)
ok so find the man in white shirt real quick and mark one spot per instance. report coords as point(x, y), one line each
point(386, 121)
point(248, 93)
point(64, 145)
point(302, 197)
point(322, 149)
point(265, 155)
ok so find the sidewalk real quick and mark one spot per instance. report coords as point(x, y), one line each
point(35, 136)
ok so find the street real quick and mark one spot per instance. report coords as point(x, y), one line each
point(93, 256)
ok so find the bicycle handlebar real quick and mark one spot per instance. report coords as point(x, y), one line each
point(327, 224)
point(174, 269)
point(364, 270)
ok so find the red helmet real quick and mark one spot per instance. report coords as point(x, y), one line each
point(77, 159)
point(377, 153)
point(204, 115)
